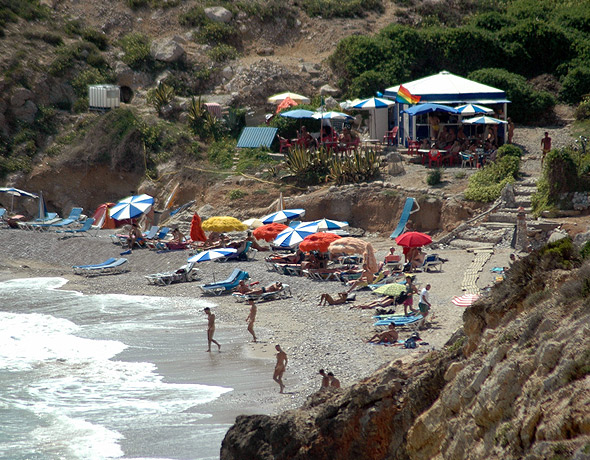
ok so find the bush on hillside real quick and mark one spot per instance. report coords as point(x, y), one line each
point(341, 8)
point(576, 84)
point(560, 175)
point(90, 76)
point(136, 47)
point(509, 150)
point(195, 17)
point(487, 183)
point(583, 110)
point(221, 153)
point(527, 104)
point(75, 55)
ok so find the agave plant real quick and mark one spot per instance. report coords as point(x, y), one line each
point(359, 167)
point(161, 96)
point(202, 123)
point(309, 166)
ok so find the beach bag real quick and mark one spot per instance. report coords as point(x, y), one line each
point(401, 298)
point(410, 343)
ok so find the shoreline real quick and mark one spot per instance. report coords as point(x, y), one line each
point(313, 337)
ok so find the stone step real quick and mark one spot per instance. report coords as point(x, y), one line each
point(498, 225)
point(526, 183)
point(518, 191)
point(545, 225)
point(526, 203)
point(527, 209)
point(484, 234)
point(467, 244)
point(507, 217)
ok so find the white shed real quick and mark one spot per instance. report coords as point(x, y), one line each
point(104, 97)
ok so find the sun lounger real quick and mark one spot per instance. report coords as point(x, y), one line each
point(38, 224)
point(226, 285)
point(87, 225)
point(282, 293)
point(323, 274)
point(74, 216)
point(431, 261)
point(184, 274)
point(108, 267)
point(242, 255)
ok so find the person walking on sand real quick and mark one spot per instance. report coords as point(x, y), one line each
point(280, 367)
point(546, 146)
point(211, 329)
point(334, 382)
point(251, 318)
point(424, 304)
point(410, 290)
point(325, 379)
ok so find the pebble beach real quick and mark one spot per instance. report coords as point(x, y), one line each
point(314, 337)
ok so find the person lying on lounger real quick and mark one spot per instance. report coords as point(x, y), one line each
point(367, 277)
point(327, 299)
point(275, 287)
point(389, 336)
point(379, 303)
point(135, 236)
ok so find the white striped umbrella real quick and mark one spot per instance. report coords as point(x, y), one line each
point(483, 120)
point(291, 237)
point(466, 300)
point(132, 206)
point(332, 116)
point(282, 216)
point(473, 109)
point(212, 254)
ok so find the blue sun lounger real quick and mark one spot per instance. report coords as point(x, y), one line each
point(87, 225)
point(74, 216)
point(108, 267)
point(403, 220)
point(226, 285)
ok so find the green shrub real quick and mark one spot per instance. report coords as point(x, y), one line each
point(353, 169)
point(576, 84)
point(434, 177)
point(70, 56)
point(309, 167)
point(253, 160)
point(97, 38)
point(236, 194)
point(136, 47)
point(583, 109)
point(341, 8)
point(195, 17)
point(509, 150)
point(81, 105)
point(585, 251)
point(527, 104)
point(202, 123)
point(221, 153)
point(486, 184)
point(90, 76)
point(11, 10)
point(48, 37)
point(222, 53)
point(215, 33)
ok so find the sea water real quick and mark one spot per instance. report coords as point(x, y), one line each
point(104, 376)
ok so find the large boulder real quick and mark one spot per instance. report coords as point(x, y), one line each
point(20, 96)
point(218, 14)
point(25, 112)
point(167, 50)
point(126, 76)
point(50, 91)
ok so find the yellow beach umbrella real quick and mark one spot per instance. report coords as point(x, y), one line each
point(223, 224)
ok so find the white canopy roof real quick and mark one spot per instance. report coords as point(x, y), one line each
point(446, 88)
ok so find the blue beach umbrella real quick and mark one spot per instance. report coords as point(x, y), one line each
point(16, 192)
point(291, 237)
point(282, 216)
point(132, 206)
point(297, 113)
point(473, 109)
point(427, 108)
point(325, 225)
point(212, 254)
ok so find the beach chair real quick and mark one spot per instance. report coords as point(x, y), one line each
point(38, 224)
point(226, 285)
point(435, 157)
point(108, 267)
point(282, 293)
point(431, 261)
point(241, 255)
point(184, 274)
point(2, 213)
point(74, 216)
point(87, 225)
point(152, 232)
point(403, 220)
point(390, 136)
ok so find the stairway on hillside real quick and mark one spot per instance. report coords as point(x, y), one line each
point(498, 228)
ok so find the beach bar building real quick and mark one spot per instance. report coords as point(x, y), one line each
point(447, 89)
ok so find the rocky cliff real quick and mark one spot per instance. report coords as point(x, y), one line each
point(514, 383)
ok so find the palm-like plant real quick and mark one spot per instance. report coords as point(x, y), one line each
point(161, 96)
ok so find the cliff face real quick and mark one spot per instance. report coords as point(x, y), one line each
point(516, 385)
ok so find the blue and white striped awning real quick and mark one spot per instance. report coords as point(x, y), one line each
point(255, 137)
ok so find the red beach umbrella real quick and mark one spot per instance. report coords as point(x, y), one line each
point(466, 300)
point(318, 241)
point(413, 239)
point(268, 232)
point(197, 233)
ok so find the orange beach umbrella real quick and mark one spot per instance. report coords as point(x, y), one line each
point(268, 232)
point(318, 242)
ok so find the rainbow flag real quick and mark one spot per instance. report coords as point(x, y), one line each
point(405, 97)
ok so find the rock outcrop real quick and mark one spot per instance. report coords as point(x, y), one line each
point(516, 385)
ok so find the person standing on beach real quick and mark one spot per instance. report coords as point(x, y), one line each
point(334, 382)
point(410, 291)
point(251, 318)
point(211, 329)
point(325, 379)
point(424, 303)
point(546, 145)
point(280, 367)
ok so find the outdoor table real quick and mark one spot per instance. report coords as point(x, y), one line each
point(424, 154)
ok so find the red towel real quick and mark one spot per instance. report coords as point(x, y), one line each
point(197, 233)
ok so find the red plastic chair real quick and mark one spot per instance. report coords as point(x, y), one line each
point(390, 136)
point(413, 147)
point(435, 157)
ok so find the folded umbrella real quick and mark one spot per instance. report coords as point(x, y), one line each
point(466, 300)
